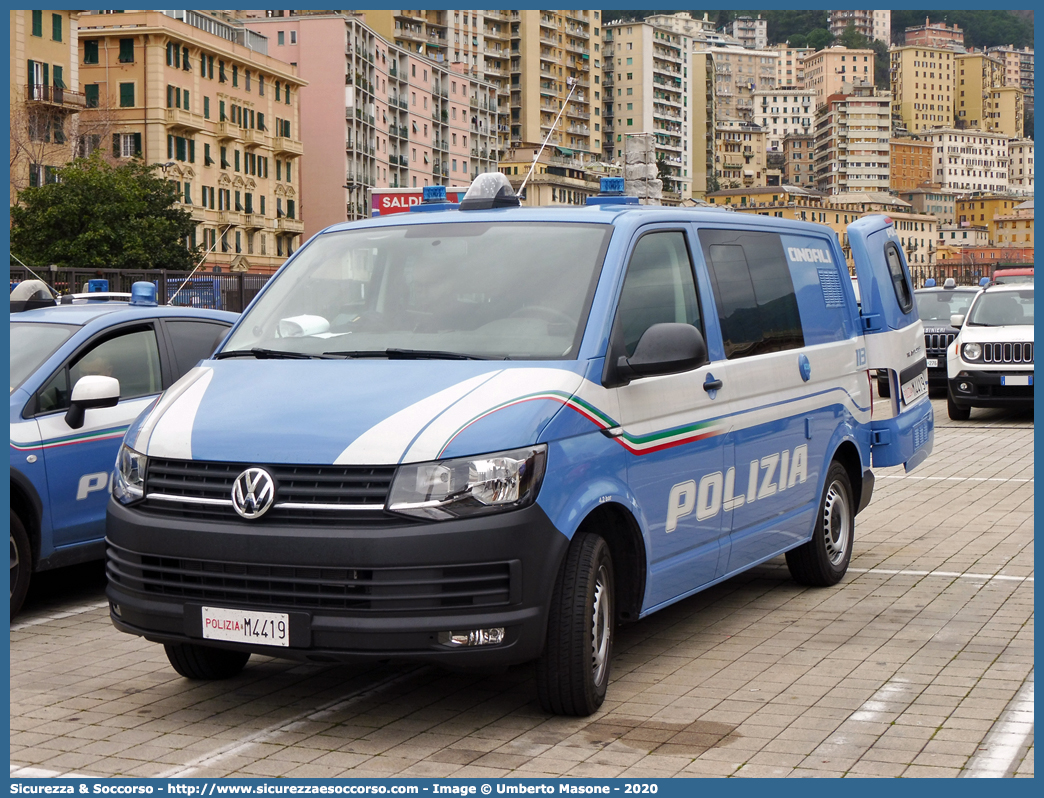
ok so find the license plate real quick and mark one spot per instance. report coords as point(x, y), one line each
point(1016, 380)
point(915, 388)
point(245, 626)
point(933, 362)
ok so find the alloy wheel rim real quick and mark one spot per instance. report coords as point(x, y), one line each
point(601, 617)
point(836, 521)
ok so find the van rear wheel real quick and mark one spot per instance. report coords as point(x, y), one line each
point(573, 671)
point(824, 559)
point(205, 663)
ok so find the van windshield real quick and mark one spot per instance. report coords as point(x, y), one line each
point(489, 290)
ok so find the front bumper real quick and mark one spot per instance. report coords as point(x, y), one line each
point(351, 593)
point(985, 389)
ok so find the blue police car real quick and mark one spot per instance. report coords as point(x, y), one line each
point(490, 434)
point(80, 374)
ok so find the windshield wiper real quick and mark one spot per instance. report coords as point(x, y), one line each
point(411, 354)
point(267, 354)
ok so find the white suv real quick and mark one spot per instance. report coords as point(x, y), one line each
point(990, 363)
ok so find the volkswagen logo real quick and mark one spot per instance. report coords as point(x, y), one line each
point(253, 493)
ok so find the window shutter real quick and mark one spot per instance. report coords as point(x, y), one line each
point(126, 51)
point(170, 56)
point(170, 96)
point(115, 145)
point(56, 27)
point(34, 178)
point(185, 100)
point(192, 150)
point(46, 76)
point(137, 145)
point(38, 23)
point(185, 59)
point(126, 95)
point(170, 146)
point(90, 94)
point(260, 121)
point(58, 75)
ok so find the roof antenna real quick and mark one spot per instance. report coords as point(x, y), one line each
point(569, 82)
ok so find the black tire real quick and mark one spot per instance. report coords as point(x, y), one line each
point(573, 671)
point(203, 662)
point(21, 563)
point(955, 411)
point(883, 390)
point(824, 559)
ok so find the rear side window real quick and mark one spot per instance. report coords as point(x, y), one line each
point(900, 282)
point(193, 341)
point(753, 291)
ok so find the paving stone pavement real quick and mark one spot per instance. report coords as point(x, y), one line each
point(912, 667)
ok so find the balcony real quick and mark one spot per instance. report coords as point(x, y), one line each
point(177, 117)
point(56, 96)
point(229, 217)
point(227, 130)
point(252, 138)
point(285, 225)
point(253, 221)
point(198, 214)
point(281, 145)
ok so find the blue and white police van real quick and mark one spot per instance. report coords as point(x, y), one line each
point(481, 435)
point(81, 372)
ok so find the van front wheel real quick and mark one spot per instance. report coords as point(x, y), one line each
point(205, 663)
point(824, 559)
point(573, 671)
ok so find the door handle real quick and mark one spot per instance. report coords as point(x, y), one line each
point(712, 385)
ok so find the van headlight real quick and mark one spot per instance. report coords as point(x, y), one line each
point(490, 483)
point(128, 480)
point(971, 351)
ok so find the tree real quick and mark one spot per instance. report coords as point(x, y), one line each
point(665, 174)
point(819, 38)
point(101, 216)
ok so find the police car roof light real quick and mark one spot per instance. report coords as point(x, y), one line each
point(950, 283)
point(611, 185)
point(433, 198)
point(929, 283)
point(434, 194)
point(612, 193)
point(143, 293)
point(984, 281)
point(489, 190)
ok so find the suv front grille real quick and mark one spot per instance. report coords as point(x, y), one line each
point(1007, 353)
point(315, 587)
point(937, 342)
point(304, 494)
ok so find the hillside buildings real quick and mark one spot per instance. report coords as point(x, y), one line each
point(934, 35)
point(923, 84)
point(852, 142)
point(828, 69)
point(872, 24)
point(969, 160)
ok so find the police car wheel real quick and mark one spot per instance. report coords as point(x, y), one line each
point(573, 671)
point(824, 559)
point(955, 411)
point(205, 663)
point(21, 564)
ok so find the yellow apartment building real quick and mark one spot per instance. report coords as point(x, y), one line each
point(200, 97)
point(923, 83)
point(983, 210)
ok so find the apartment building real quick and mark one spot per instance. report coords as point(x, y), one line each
point(682, 22)
point(931, 34)
point(781, 112)
point(1007, 111)
point(977, 76)
point(556, 63)
point(739, 73)
point(1015, 229)
point(751, 32)
point(983, 209)
point(202, 97)
point(406, 121)
point(911, 163)
point(828, 69)
point(554, 179)
point(646, 84)
point(1018, 70)
point(923, 85)
point(740, 156)
point(703, 120)
point(955, 235)
point(969, 160)
point(798, 164)
point(872, 24)
point(851, 142)
point(45, 95)
point(790, 65)
point(934, 200)
point(1020, 166)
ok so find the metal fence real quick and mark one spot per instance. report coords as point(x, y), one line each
point(230, 291)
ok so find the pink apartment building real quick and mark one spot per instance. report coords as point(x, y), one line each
point(375, 115)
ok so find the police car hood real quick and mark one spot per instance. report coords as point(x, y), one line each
point(371, 412)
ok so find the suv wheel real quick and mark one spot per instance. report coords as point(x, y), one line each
point(955, 411)
point(21, 563)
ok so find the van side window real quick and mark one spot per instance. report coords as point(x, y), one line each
point(659, 287)
point(753, 291)
point(900, 284)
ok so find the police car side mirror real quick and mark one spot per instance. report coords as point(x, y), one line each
point(91, 391)
point(957, 320)
point(666, 348)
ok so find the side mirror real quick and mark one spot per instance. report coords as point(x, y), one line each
point(957, 320)
point(88, 392)
point(666, 348)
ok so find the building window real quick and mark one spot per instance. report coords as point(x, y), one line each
point(126, 51)
point(293, 37)
point(126, 145)
point(126, 95)
point(280, 38)
point(56, 27)
point(90, 95)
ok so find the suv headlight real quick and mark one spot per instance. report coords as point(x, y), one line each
point(128, 480)
point(971, 351)
point(490, 483)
